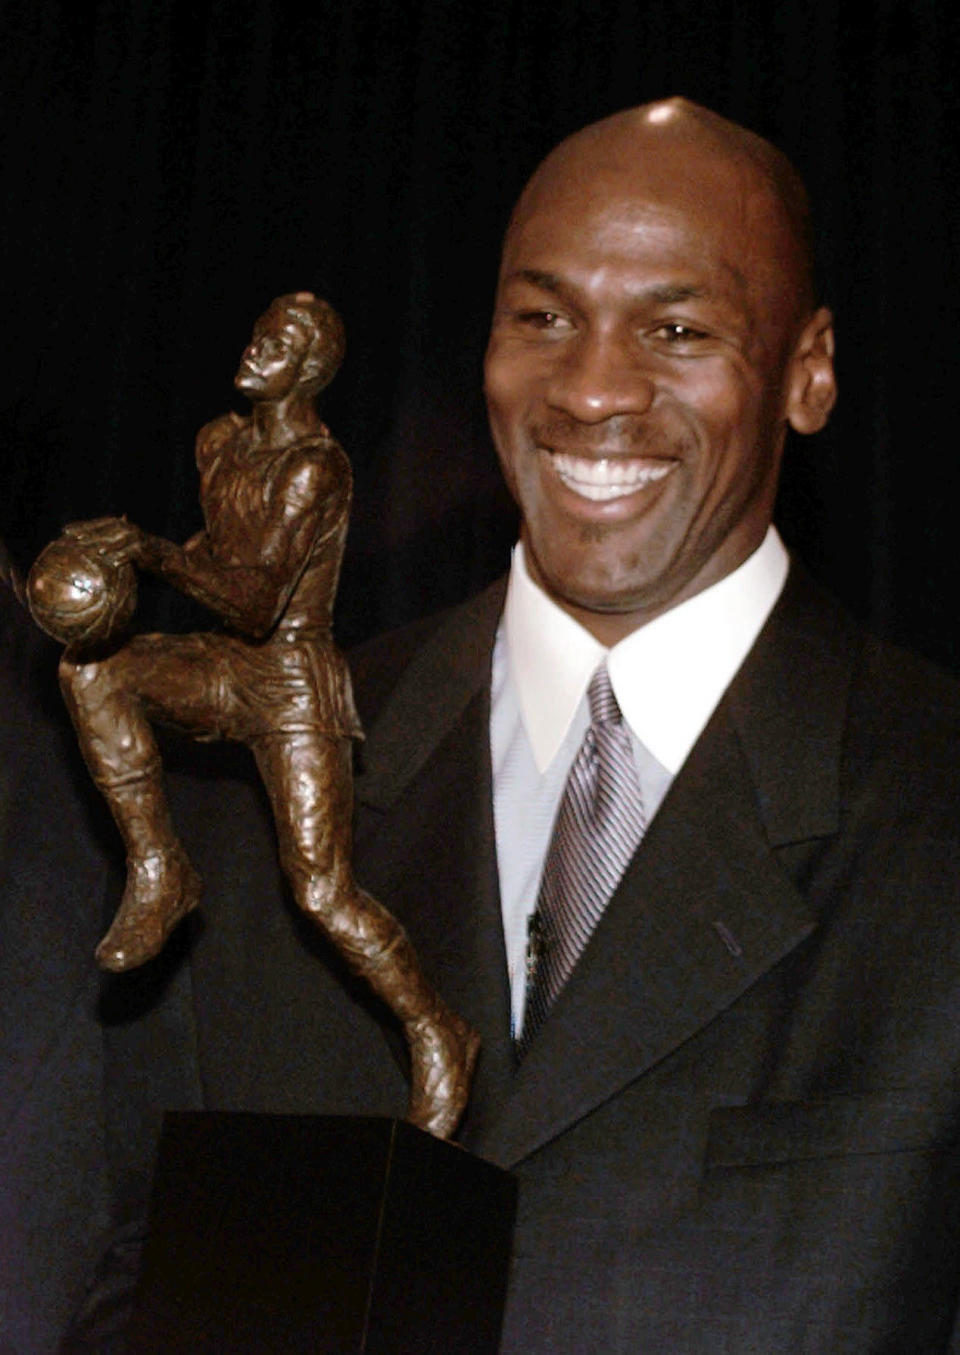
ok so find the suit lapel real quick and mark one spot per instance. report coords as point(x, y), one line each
point(432, 695)
point(702, 912)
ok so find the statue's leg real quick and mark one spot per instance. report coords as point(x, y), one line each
point(108, 702)
point(309, 780)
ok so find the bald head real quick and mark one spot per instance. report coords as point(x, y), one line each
point(675, 146)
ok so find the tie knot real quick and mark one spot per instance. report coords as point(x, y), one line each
point(604, 709)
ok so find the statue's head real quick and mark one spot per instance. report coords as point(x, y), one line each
point(298, 342)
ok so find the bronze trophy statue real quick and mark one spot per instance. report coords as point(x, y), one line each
point(275, 489)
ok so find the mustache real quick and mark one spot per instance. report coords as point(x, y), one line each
point(623, 435)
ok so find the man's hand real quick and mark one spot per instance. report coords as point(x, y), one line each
point(115, 539)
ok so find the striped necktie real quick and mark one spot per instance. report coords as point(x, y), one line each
point(598, 828)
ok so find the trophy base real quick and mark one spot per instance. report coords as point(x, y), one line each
point(286, 1233)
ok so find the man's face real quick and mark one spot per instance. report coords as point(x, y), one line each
point(271, 362)
point(640, 374)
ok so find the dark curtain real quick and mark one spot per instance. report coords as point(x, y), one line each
point(171, 166)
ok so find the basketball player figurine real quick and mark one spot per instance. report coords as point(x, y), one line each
point(275, 492)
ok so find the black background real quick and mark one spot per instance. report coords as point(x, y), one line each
point(171, 166)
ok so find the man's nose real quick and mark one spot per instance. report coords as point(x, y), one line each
point(600, 376)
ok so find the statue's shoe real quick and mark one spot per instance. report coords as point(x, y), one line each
point(443, 1054)
point(161, 889)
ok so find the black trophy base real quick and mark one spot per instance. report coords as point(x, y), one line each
point(288, 1233)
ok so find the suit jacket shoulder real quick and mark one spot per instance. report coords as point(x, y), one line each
point(435, 641)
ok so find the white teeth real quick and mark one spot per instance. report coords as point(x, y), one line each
point(608, 478)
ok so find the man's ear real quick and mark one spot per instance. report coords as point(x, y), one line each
point(812, 385)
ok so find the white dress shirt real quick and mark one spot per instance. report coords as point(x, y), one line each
point(668, 677)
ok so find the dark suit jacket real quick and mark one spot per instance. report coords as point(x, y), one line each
point(738, 1130)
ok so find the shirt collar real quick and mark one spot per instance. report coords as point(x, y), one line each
point(668, 676)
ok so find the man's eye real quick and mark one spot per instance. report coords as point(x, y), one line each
point(541, 319)
point(676, 333)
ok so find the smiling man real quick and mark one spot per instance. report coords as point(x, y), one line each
point(690, 836)
point(662, 823)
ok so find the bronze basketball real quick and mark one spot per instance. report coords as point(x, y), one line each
point(78, 597)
